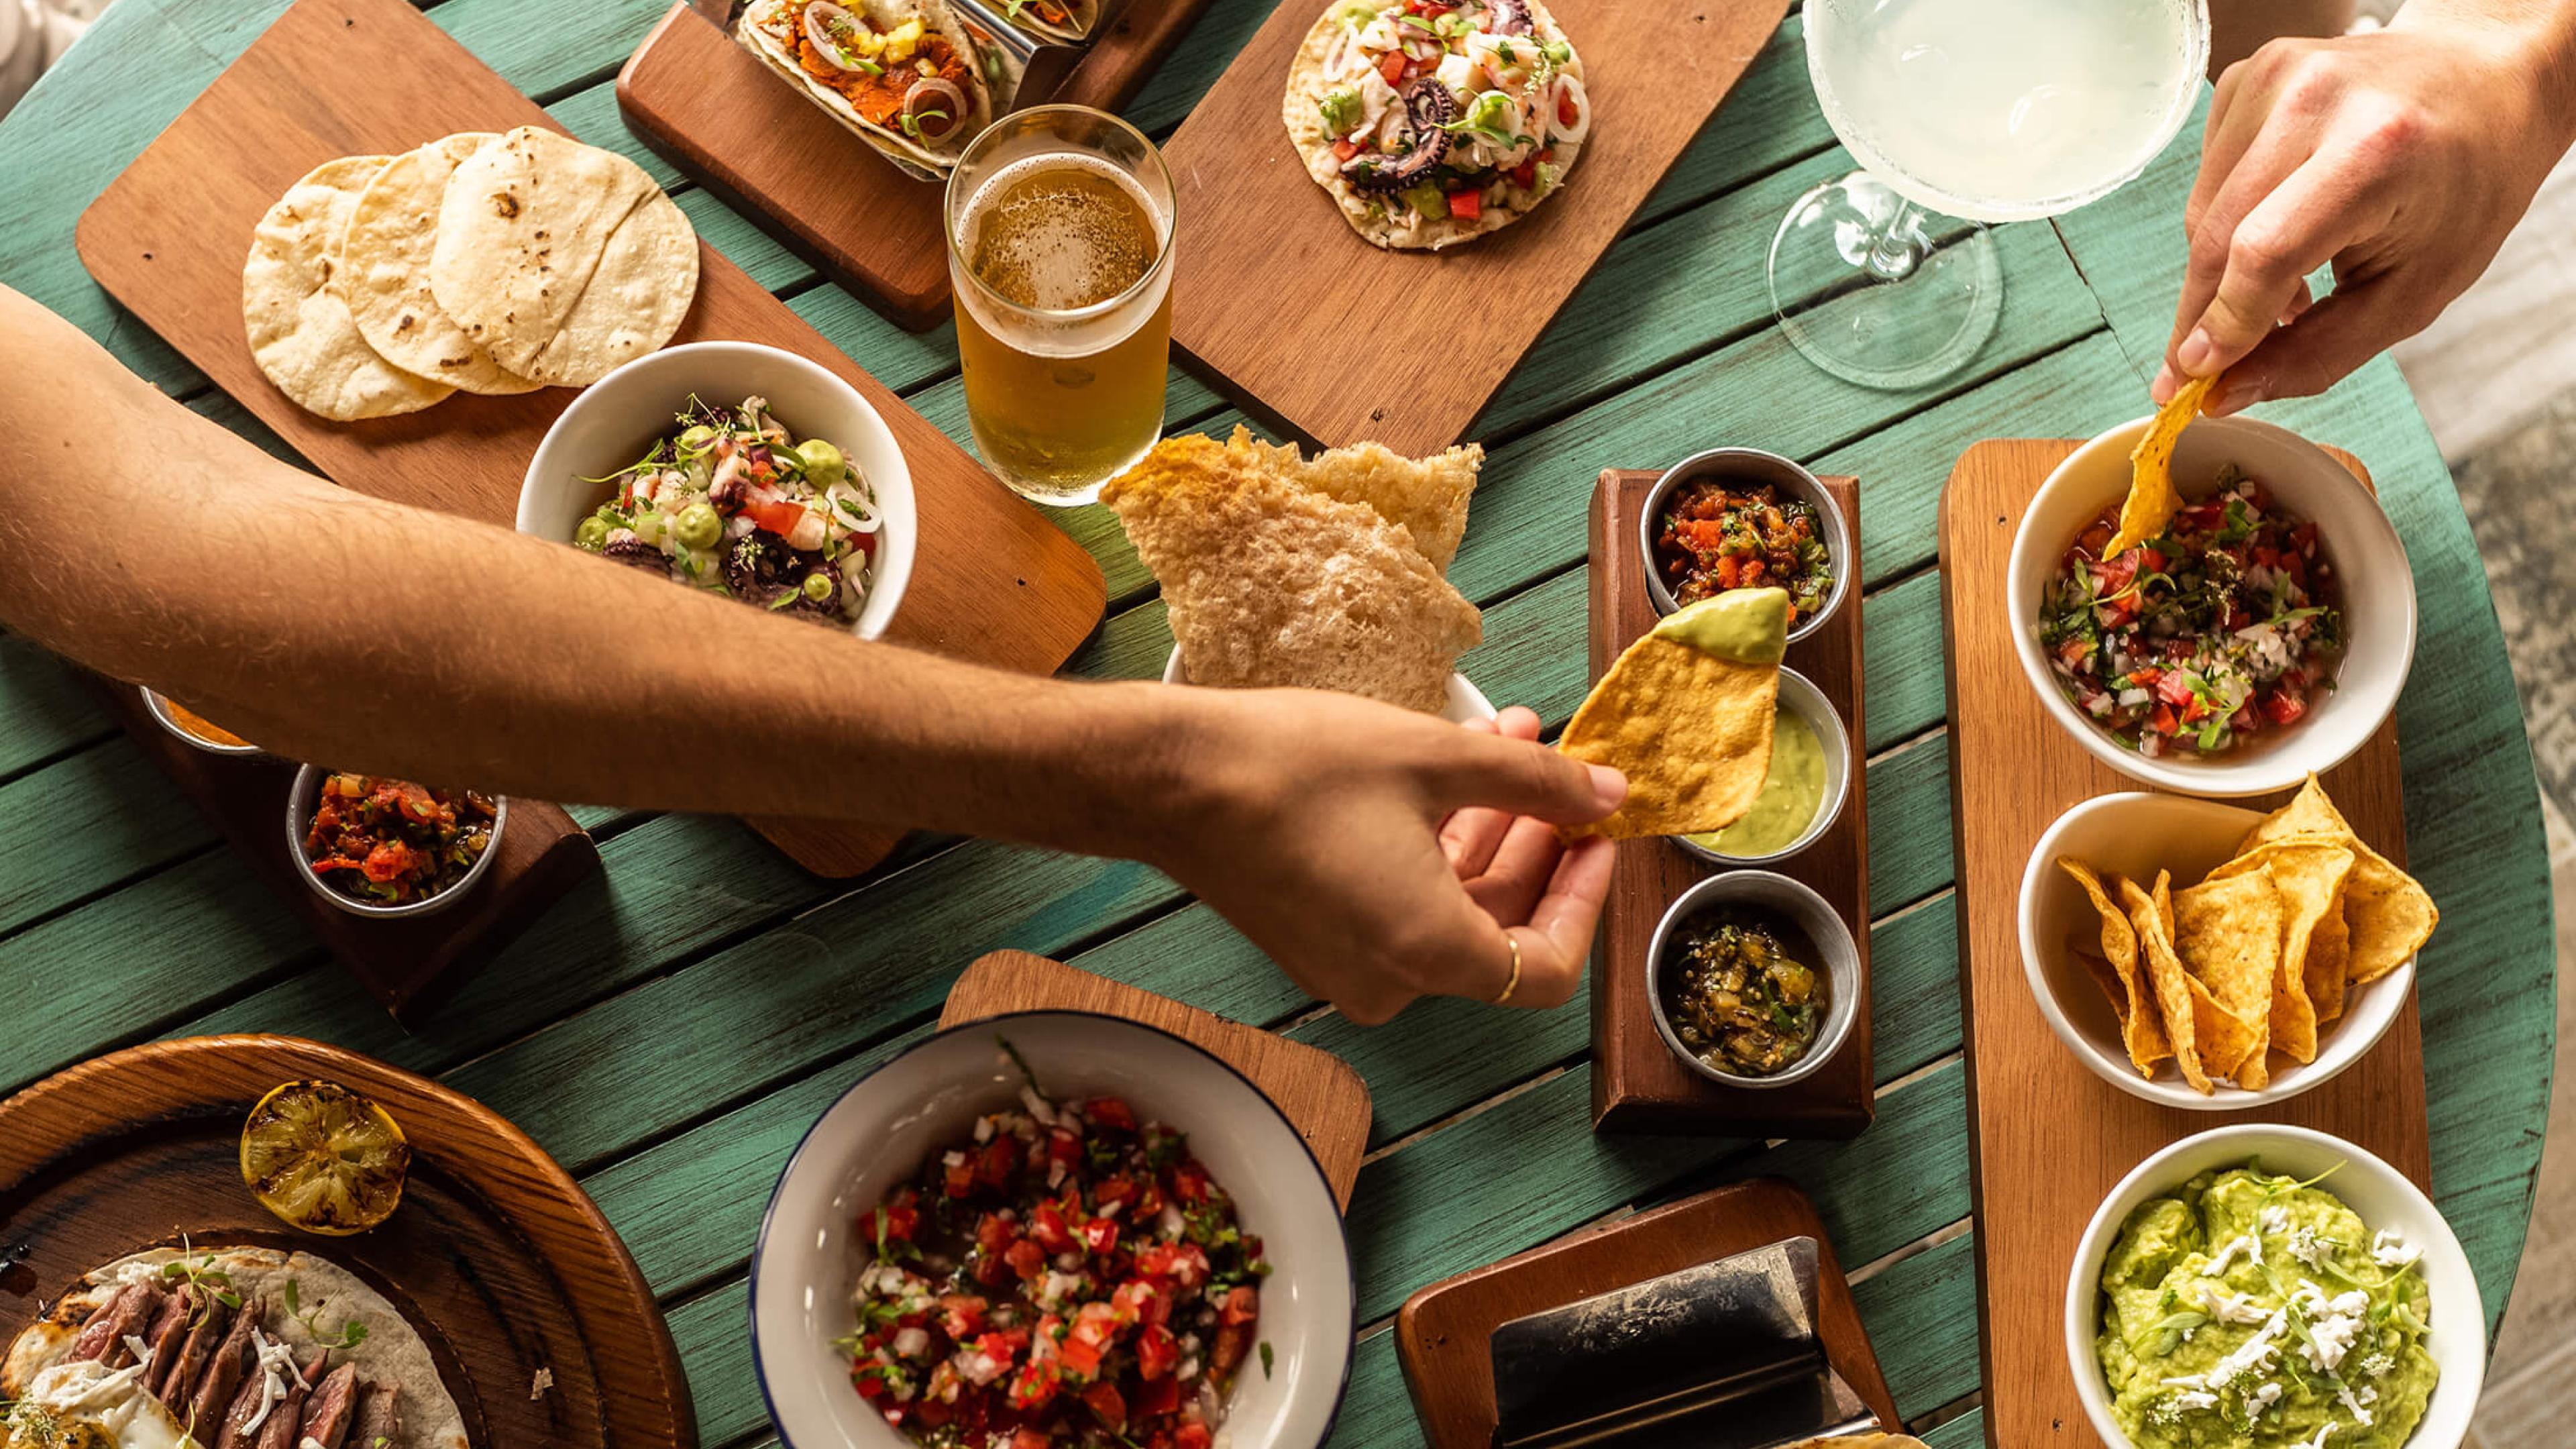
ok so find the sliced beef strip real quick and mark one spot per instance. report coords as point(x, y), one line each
point(377, 1424)
point(284, 1427)
point(326, 1414)
point(245, 1405)
point(210, 1407)
point(142, 1304)
point(169, 1329)
point(205, 1331)
point(93, 1338)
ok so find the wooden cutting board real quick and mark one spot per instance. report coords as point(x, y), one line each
point(503, 1264)
point(1326, 1100)
point(715, 111)
point(1304, 324)
point(1637, 1083)
point(2049, 1139)
point(993, 581)
point(1444, 1334)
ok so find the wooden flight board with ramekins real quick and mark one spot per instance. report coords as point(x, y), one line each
point(711, 107)
point(1321, 1095)
point(1276, 295)
point(1638, 1085)
point(543, 1329)
point(411, 964)
point(2049, 1139)
point(993, 580)
point(1443, 1334)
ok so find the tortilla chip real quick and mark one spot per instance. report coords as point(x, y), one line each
point(2208, 1040)
point(1270, 583)
point(2308, 875)
point(1690, 730)
point(2132, 998)
point(2152, 500)
point(2228, 930)
point(2388, 914)
point(1428, 496)
point(2330, 961)
point(300, 330)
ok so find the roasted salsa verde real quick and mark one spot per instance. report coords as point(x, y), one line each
point(1067, 1274)
point(2215, 632)
point(1714, 537)
point(391, 842)
point(1742, 992)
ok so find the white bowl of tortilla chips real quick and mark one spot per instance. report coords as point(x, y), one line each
point(2279, 953)
point(2386, 1202)
point(613, 422)
point(2375, 592)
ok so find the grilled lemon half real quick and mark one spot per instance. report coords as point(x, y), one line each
point(324, 1159)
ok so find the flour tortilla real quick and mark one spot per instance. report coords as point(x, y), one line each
point(300, 331)
point(382, 271)
point(561, 260)
point(329, 1295)
point(758, 31)
point(1382, 219)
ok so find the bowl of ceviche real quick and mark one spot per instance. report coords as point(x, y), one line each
point(2265, 633)
point(743, 470)
point(1052, 1228)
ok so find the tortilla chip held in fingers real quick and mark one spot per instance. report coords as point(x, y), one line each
point(1686, 714)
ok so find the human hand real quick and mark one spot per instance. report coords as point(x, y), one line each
point(2403, 158)
point(1379, 855)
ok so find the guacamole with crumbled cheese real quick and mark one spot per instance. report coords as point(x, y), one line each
point(2244, 1309)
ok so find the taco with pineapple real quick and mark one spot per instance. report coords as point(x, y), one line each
point(906, 75)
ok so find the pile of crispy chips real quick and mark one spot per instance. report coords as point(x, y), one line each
point(2261, 953)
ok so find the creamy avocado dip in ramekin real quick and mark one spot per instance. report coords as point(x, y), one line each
point(2245, 1309)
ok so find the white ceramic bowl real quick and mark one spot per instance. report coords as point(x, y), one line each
point(617, 418)
point(1746, 467)
point(2378, 1192)
point(2374, 589)
point(1799, 696)
point(2135, 835)
point(1466, 701)
point(1813, 915)
point(875, 1137)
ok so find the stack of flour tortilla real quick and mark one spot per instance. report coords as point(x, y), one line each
point(479, 263)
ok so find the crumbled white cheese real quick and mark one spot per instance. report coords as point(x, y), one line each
point(2323, 1430)
point(2360, 1415)
point(2265, 1395)
point(2254, 1355)
point(2247, 1244)
point(2305, 1247)
point(2390, 1249)
point(2229, 1307)
point(2274, 1220)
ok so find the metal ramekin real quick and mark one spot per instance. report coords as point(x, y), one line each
point(1811, 913)
point(304, 795)
point(1750, 466)
point(1799, 696)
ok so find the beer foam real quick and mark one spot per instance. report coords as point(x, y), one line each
point(1051, 233)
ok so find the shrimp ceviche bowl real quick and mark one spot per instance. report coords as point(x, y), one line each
point(730, 502)
point(1433, 122)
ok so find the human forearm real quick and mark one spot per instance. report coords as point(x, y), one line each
point(2536, 39)
point(155, 546)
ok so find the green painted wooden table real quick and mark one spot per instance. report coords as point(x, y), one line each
point(670, 1030)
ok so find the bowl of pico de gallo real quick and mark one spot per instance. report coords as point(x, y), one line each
point(2264, 633)
point(1052, 1229)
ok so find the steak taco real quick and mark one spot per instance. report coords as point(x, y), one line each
point(1431, 130)
point(224, 1348)
point(905, 75)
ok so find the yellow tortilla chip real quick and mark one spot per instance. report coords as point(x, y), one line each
point(2389, 915)
point(2228, 931)
point(1691, 731)
point(2207, 1040)
point(2152, 499)
point(2132, 999)
point(2308, 874)
point(2329, 963)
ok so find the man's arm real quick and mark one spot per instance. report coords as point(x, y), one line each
point(2402, 157)
point(153, 545)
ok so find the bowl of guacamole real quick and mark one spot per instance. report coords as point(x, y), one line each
point(2271, 1287)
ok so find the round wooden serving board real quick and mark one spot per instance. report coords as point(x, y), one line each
point(498, 1259)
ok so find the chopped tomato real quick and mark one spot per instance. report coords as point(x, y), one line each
point(1566, 114)
point(1190, 1181)
point(776, 515)
point(961, 1316)
point(1158, 1395)
point(1391, 69)
point(1192, 1436)
point(1026, 1258)
point(1466, 205)
point(1242, 1305)
point(1001, 1158)
point(390, 861)
point(901, 1221)
point(1100, 1236)
point(2164, 721)
point(1157, 1352)
point(1047, 1225)
point(1034, 1386)
point(1105, 1401)
point(2173, 689)
point(1111, 1112)
point(1345, 150)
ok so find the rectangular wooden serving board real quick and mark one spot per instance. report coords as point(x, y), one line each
point(1638, 1085)
point(1322, 1095)
point(1276, 295)
point(739, 129)
point(412, 965)
point(993, 581)
point(2049, 1140)
point(1443, 1336)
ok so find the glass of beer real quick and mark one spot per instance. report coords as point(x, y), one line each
point(1060, 253)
